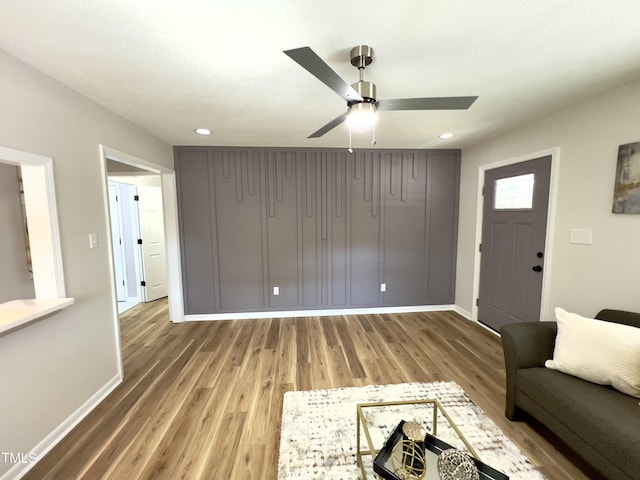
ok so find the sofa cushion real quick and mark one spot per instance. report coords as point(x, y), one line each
point(601, 352)
point(599, 415)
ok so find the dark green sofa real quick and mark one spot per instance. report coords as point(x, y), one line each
point(598, 422)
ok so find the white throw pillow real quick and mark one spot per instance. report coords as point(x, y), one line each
point(601, 352)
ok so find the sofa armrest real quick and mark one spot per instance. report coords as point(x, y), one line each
point(525, 345)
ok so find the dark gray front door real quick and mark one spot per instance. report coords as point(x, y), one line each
point(514, 226)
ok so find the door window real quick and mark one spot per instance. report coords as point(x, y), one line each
point(514, 193)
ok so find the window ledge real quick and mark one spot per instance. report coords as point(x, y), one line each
point(17, 313)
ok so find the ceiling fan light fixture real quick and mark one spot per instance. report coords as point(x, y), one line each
point(362, 116)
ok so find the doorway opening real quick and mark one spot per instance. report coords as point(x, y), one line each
point(159, 202)
point(138, 237)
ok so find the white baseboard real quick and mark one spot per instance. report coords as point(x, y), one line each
point(317, 313)
point(462, 311)
point(51, 440)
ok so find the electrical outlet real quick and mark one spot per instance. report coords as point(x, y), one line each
point(383, 287)
point(276, 290)
point(581, 236)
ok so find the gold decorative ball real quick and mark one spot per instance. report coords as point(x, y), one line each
point(408, 460)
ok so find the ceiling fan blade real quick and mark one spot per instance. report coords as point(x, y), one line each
point(435, 103)
point(329, 126)
point(310, 61)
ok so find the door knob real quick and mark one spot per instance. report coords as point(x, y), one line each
point(537, 268)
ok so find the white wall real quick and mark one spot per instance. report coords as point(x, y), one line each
point(583, 278)
point(52, 367)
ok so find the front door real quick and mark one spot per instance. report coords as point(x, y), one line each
point(514, 228)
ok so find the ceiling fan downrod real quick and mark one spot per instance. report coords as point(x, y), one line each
point(362, 56)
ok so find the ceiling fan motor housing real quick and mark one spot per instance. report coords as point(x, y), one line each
point(367, 90)
point(361, 56)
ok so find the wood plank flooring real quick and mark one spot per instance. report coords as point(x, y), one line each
point(202, 400)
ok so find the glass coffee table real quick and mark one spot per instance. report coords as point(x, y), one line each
point(379, 427)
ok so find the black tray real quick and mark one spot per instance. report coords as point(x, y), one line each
point(432, 444)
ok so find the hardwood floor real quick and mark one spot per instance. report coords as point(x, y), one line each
point(202, 400)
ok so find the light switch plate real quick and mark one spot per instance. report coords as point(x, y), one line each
point(581, 236)
point(276, 290)
point(383, 287)
point(93, 240)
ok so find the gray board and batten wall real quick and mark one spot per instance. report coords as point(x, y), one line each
point(323, 227)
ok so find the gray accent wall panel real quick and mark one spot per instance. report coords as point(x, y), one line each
point(325, 227)
point(404, 200)
point(442, 225)
point(197, 234)
point(364, 245)
point(282, 229)
point(238, 229)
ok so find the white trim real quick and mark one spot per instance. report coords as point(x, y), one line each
point(170, 208)
point(551, 216)
point(172, 246)
point(61, 431)
point(112, 274)
point(317, 313)
point(17, 313)
point(42, 220)
point(132, 160)
point(461, 311)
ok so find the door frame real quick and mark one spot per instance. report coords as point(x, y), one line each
point(172, 239)
point(115, 205)
point(551, 215)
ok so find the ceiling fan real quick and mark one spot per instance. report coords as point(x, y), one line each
point(362, 102)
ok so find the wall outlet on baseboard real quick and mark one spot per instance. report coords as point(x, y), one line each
point(383, 287)
point(276, 290)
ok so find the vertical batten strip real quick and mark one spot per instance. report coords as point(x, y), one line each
point(376, 175)
point(339, 183)
point(238, 177)
point(271, 183)
point(404, 177)
point(368, 172)
point(308, 172)
point(279, 160)
point(324, 200)
point(391, 160)
point(244, 161)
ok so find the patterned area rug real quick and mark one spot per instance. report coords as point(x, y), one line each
point(318, 435)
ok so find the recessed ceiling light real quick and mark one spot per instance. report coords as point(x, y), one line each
point(446, 135)
point(203, 131)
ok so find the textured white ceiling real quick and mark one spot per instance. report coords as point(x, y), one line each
point(172, 66)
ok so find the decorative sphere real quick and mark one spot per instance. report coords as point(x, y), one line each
point(456, 465)
point(408, 460)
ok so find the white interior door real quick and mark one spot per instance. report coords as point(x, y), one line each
point(116, 237)
point(154, 258)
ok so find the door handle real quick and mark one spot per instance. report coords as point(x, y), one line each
point(537, 268)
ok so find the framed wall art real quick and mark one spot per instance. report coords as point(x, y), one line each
point(626, 191)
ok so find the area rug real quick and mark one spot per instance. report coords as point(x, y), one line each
point(318, 434)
